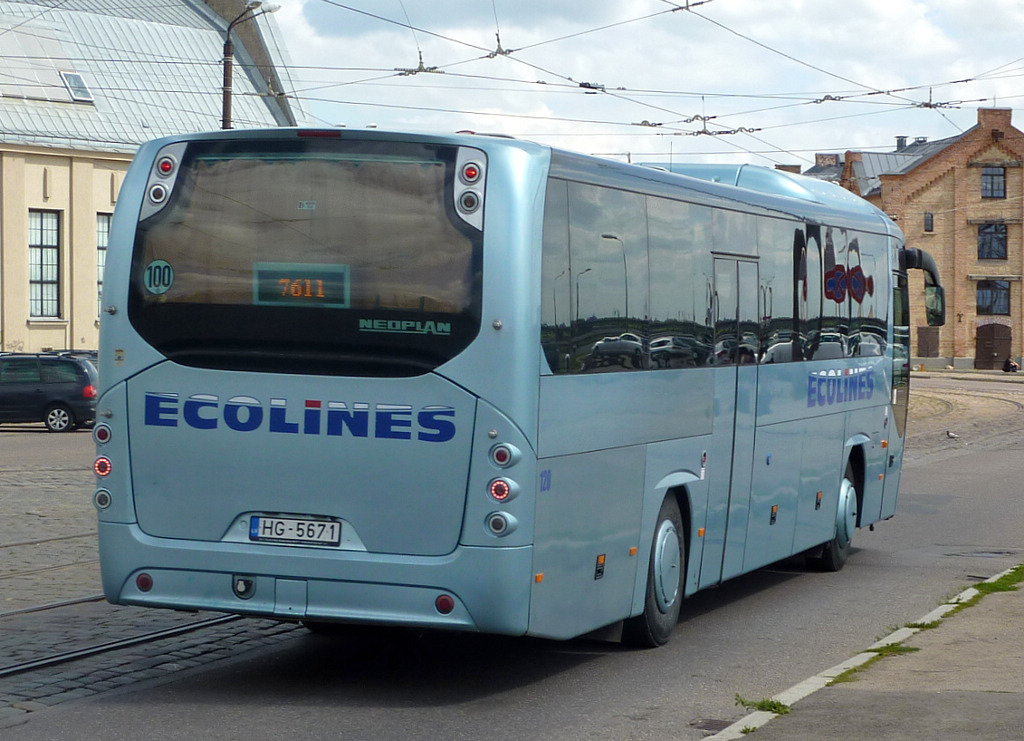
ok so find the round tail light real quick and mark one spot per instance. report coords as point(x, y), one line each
point(102, 466)
point(497, 523)
point(500, 489)
point(158, 193)
point(101, 499)
point(165, 166)
point(469, 202)
point(470, 173)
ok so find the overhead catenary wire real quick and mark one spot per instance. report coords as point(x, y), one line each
point(674, 123)
point(864, 89)
point(820, 97)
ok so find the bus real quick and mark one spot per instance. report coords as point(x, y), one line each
point(474, 383)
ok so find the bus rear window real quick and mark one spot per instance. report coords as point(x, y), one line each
point(321, 256)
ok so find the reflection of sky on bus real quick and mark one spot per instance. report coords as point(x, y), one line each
point(678, 252)
point(603, 291)
point(727, 80)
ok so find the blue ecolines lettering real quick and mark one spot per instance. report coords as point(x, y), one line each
point(827, 388)
point(399, 326)
point(433, 424)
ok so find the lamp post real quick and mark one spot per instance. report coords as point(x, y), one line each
point(554, 300)
point(229, 52)
point(625, 274)
point(578, 275)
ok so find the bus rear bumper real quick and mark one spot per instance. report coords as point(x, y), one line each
point(489, 587)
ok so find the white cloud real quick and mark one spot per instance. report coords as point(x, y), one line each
point(880, 44)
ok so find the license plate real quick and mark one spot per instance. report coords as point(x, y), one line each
point(294, 530)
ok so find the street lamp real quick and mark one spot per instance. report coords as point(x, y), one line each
point(229, 52)
point(578, 275)
point(554, 300)
point(625, 274)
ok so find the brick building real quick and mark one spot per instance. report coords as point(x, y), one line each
point(959, 199)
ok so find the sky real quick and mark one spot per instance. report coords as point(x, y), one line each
point(762, 81)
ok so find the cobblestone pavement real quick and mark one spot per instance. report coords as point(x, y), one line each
point(48, 554)
point(47, 536)
point(981, 410)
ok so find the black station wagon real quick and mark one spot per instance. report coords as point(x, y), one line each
point(56, 389)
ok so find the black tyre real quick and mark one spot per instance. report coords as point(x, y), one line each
point(835, 552)
point(59, 419)
point(653, 627)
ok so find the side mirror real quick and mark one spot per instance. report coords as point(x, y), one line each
point(935, 305)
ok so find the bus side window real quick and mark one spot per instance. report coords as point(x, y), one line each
point(555, 279)
point(812, 294)
point(835, 307)
point(779, 267)
point(608, 255)
point(868, 295)
point(681, 291)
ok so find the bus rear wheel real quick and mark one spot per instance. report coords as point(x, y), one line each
point(835, 552)
point(653, 627)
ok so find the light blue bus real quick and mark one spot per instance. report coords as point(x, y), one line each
point(475, 383)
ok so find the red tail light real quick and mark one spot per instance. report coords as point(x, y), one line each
point(89, 392)
point(102, 466)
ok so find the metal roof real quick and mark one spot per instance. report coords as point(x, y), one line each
point(152, 69)
point(776, 182)
point(873, 165)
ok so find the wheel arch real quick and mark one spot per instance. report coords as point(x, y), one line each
point(857, 460)
point(678, 485)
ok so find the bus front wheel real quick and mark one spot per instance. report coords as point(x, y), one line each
point(654, 625)
point(835, 552)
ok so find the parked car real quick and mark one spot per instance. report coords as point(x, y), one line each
point(625, 349)
point(672, 351)
point(54, 388)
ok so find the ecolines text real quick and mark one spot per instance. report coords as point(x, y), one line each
point(433, 424)
point(827, 388)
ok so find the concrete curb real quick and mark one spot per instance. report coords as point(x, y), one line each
point(741, 728)
point(962, 375)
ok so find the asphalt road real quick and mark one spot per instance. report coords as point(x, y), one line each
point(957, 522)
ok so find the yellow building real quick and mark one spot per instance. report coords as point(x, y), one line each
point(959, 199)
point(56, 214)
point(79, 91)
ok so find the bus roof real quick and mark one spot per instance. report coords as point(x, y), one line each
point(777, 182)
point(734, 186)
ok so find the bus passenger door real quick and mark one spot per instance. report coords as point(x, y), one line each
point(735, 357)
point(900, 392)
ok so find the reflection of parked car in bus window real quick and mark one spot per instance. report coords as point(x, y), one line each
point(672, 352)
point(780, 352)
point(748, 347)
point(865, 344)
point(625, 349)
point(827, 346)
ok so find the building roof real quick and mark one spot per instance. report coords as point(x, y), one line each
point(830, 172)
point(870, 166)
point(108, 75)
